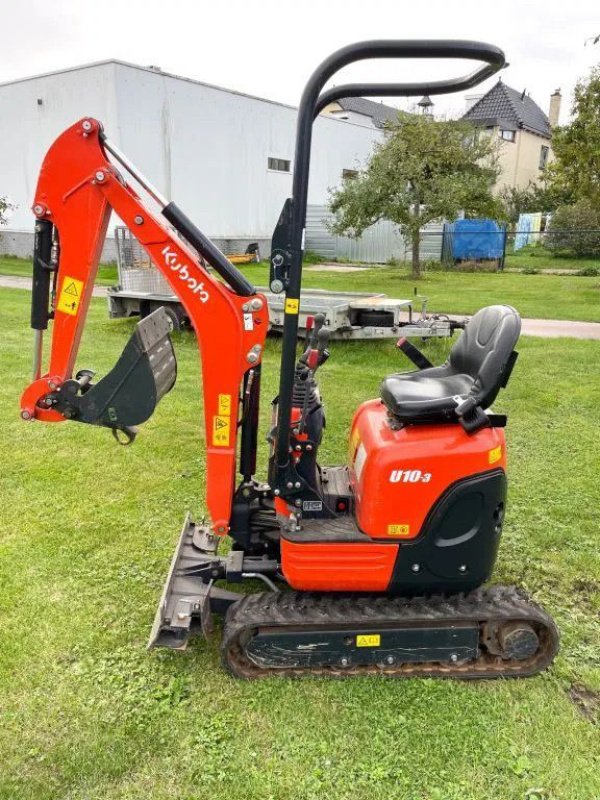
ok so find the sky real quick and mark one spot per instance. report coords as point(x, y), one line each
point(269, 49)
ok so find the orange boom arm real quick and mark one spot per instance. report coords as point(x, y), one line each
point(77, 189)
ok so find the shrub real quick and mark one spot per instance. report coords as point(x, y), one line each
point(575, 231)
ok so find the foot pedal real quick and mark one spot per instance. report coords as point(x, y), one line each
point(128, 395)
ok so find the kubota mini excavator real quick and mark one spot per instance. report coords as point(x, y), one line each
point(374, 566)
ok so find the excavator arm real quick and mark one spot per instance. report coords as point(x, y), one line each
point(78, 188)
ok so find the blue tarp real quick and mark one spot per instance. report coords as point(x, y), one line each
point(477, 239)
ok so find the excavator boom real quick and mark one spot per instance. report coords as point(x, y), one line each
point(78, 188)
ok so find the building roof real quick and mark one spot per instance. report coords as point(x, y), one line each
point(509, 109)
point(379, 113)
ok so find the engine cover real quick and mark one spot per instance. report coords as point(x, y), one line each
point(398, 472)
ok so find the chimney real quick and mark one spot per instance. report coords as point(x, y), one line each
point(554, 110)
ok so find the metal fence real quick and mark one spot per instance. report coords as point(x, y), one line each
point(377, 245)
point(383, 242)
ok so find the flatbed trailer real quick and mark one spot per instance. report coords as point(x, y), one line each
point(348, 315)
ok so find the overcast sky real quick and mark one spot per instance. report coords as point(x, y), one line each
point(269, 48)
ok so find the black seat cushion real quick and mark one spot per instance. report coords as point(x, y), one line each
point(477, 367)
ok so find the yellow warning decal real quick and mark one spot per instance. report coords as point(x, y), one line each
point(495, 454)
point(354, 442)
point(368, 640)
point(398, 530)
point(292, 306)
point(221, 428)
point(70, 296)
point(225, 404)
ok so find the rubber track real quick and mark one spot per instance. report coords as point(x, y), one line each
point(314, 611)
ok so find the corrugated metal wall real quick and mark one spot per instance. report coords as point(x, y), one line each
point(377, 245)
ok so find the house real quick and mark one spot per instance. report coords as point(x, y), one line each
point(359, 109)
point(523, 128)
point(225, 157)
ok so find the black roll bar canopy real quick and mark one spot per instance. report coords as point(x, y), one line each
point(288, 259)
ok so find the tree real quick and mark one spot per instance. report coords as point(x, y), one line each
point(4, 207)
point(574, 230)
point(424, 171)
point(576, 147)
point(544, 196)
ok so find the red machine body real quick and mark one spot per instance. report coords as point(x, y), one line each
point(398, 473)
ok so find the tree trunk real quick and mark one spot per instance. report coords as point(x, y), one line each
point(416, 241)
point(416, 255)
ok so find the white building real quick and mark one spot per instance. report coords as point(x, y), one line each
point(224, 157)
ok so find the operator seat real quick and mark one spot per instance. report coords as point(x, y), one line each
point(478, 366)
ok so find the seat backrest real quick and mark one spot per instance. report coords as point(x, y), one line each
point(484, 351)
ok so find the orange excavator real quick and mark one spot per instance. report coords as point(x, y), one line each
point(376, 565)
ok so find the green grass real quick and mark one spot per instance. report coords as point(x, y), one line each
point(543, 296)
point(9, 265)
point(86, 534)
point(534, 257)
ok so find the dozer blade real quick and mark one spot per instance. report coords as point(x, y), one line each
point(189, 596)
point(128, 395)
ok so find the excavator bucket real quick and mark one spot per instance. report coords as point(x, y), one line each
point(128, 395)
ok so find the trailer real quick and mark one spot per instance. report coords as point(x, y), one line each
point(348, 315)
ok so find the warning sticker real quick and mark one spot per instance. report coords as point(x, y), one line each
point(70, 296)
point(368, 640)
point(495, 454)
point(292, 306)
point(221, 426)
point(225, 404)
point(398, 530)
point(354, 442)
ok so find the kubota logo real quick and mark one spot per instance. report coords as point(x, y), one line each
point(183, 271)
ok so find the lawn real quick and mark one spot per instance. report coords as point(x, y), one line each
point(86, 534)
point(536, 257)
point(9, 265)
point(543, 296)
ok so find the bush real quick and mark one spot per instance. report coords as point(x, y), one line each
point(575, 231)
point(4, 207)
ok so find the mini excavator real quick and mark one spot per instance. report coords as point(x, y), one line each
point(375, 566)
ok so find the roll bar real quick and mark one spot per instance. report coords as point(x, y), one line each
point(288, 239)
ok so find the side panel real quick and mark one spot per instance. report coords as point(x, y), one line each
point(398, 475)
point(457, 548)
point(338, 567)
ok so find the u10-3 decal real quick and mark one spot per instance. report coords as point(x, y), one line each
point(409, 476)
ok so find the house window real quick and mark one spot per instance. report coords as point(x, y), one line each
point(279, 164)
point(507, 136)
point(544, 156)
point(349, 174)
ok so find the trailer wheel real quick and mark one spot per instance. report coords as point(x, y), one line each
point(176, 319)
point(376, 319)
point(175, 316)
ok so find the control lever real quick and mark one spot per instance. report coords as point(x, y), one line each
point(310, 356)
point(323, 341)
point(319, 321)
